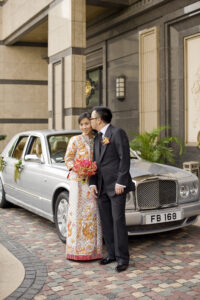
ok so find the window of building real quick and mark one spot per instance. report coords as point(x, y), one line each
point(94, 87)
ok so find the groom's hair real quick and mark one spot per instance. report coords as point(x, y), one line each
point(104, 113)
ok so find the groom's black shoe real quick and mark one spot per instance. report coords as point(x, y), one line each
point(107, 260)
point(121, 267)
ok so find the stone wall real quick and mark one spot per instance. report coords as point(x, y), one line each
point(23, 90)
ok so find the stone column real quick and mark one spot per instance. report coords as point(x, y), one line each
point(67, 66)
point(149, 99)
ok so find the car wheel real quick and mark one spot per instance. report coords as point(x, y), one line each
point(61, 211)
point(3, 202)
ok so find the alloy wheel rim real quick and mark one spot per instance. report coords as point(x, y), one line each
point(62, 216)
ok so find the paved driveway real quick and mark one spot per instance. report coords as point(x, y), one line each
point(167, 264)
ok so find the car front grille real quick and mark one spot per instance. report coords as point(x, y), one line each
point(152, 194)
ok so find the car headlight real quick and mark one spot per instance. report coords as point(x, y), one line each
point(184, 191)
point(194, 189)
point(130, 200)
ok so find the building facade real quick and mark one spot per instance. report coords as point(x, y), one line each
point(139, 57)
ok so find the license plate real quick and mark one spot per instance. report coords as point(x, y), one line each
point(163, 217)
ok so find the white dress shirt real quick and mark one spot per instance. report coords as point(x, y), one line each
point(103, 130)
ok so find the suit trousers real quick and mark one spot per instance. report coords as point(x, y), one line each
point(112, 213)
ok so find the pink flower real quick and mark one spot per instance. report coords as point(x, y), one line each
point(85, 168)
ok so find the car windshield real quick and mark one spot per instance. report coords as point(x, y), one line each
point(57, 146)
point(134, 154)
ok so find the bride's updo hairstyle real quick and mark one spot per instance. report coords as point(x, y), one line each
point(84, 115)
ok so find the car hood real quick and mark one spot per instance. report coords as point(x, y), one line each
point(141, 168)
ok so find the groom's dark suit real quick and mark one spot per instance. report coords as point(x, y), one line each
point(113, 161)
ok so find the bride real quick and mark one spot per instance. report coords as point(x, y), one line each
point(84, 236)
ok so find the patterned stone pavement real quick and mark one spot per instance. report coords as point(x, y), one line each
point(167, 265)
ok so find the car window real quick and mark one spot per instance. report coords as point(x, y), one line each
point(18, 148)
point(58, 146)
point(35, 146)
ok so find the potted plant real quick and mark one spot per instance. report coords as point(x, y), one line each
point(2, 137)
point(154, 148)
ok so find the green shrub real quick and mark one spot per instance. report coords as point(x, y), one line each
point(156, 149)
point(2, 137)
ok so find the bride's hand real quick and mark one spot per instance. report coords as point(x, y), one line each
point(94, 190)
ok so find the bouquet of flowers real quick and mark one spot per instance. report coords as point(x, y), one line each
point(84, 168)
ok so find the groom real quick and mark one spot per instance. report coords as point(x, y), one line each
point(110, 185)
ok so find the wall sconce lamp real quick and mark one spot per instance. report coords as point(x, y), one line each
point(120, 87)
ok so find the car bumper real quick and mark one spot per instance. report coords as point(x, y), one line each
point(136, 220)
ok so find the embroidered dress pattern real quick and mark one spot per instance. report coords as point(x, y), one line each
point(84, 236)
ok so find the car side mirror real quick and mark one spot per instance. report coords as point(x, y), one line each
point(34, 157)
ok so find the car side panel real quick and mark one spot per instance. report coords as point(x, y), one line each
point(11, 187)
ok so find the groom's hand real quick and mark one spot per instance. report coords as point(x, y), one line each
point(119, 189)
point(94, 191)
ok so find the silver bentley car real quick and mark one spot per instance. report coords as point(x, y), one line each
point(34, 176)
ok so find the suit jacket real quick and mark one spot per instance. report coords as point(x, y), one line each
point(113, 162)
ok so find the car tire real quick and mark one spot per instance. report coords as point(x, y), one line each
point(3, 202)
point(61, 211)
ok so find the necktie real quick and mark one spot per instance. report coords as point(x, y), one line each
point(100, 141)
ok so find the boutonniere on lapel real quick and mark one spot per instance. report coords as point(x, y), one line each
point(106, 140)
